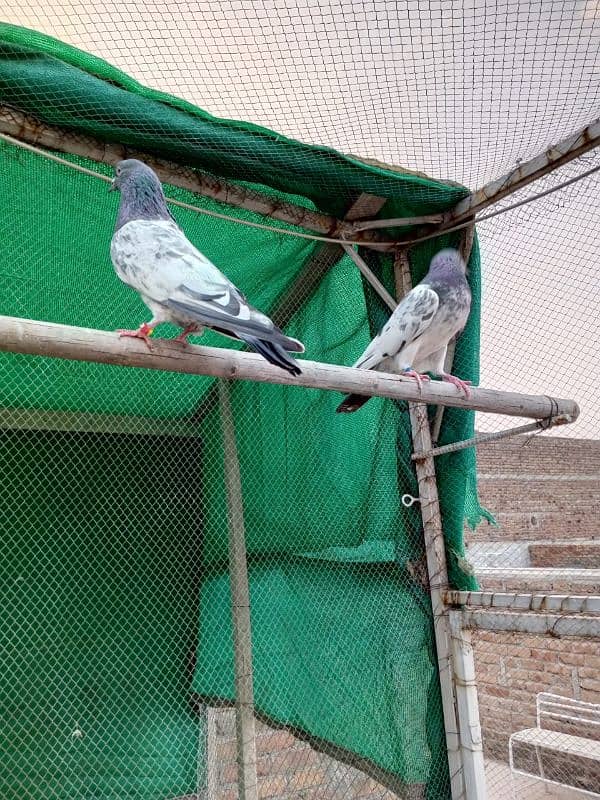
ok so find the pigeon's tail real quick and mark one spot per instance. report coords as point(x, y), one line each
point(289, 344)
point(273, 352)
point(352, 402)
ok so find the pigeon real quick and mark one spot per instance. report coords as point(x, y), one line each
point(179, 284)
point(415, 338)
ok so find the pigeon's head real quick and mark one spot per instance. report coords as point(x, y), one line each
point(448, 261)
point(132, 175)
point(142, 196)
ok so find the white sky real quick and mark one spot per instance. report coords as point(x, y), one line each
point(460, 90)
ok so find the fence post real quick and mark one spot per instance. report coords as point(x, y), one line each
point(465, 754)
point(240, 606)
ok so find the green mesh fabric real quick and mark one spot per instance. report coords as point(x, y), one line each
point(64, 86)
point(342, 633)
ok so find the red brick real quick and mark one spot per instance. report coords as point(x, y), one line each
point(274, 740)
point(499, 691)
point(228, 773)
point(294, 758)
point(589, 672)
point(264, 765)
point(270, 787)
point(226, 750)
point(575, 659)
point(307, 778)
point(228, 793)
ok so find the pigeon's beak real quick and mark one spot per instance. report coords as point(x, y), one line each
point(112, 186)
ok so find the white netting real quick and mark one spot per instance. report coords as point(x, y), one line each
point(462, 91)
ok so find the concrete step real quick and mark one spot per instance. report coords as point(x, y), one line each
point(560, 581)
point(539, 494)
point(578, 554)
point(578, 523)
point(581, 555)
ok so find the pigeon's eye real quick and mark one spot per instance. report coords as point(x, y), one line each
point(118, 170)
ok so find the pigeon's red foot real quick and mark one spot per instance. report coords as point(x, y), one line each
point(182, 338)
point(419, 377)
point(143, 332)
point(461, 385)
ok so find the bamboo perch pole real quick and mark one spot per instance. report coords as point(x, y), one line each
point(456, 666)
point(28, 129)
point(438, 584)
point(240, 606)
point(53, 340)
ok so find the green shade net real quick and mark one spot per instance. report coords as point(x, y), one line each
point(94, 684)
point(342, 630)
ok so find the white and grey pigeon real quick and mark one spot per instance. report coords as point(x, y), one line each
point(176, 281)
point(415, 338)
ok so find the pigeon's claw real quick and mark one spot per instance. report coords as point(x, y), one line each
point(182, 338)
point(144, 332)
point(461, 385)
point(419, 377)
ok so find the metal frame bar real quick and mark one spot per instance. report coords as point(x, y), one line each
point(467, 703)
point(573, 704)
point(539, 426)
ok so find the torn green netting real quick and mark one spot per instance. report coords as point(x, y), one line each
point(342, 628)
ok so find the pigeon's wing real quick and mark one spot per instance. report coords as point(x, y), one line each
point(411, 317)
point(157, 259)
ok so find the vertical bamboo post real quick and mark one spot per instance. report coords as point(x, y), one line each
point(465, 756)
point(240, 606)
point(438, 584)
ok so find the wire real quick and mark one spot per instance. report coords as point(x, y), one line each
point(507, 208)
point(172, 201)
point(298, 234)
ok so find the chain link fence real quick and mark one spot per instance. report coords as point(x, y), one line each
point(116, 654)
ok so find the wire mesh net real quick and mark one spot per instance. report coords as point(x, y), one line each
point(117, 674)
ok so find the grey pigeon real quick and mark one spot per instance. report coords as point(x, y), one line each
point(415, 338)
point(151, 254)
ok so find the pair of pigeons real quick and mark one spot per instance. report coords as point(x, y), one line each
point(179, 284)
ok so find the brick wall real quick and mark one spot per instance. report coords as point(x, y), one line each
point(542, 491)
point(512, 668)
point(287, 768)
point(545, 493)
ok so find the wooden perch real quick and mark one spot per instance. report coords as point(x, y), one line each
point(84, 344)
